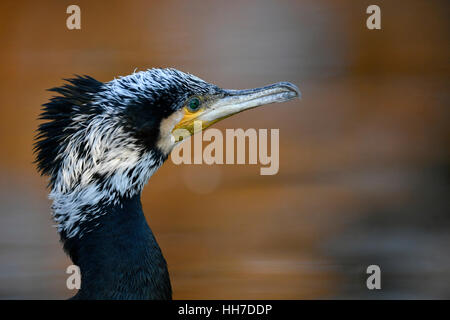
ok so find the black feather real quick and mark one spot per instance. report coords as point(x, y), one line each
point(51, 138)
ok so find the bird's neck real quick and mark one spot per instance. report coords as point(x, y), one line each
point(120, 258)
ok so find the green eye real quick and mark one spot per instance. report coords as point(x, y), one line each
point(193, 104)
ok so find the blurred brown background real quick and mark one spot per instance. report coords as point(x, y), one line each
point(364, 171)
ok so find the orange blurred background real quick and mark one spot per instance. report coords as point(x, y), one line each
point(364, 170)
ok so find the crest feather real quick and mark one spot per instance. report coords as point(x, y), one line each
point(73, 97)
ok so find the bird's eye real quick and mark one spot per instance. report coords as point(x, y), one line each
point(193, 104)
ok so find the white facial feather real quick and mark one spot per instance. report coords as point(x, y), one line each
point(166, 141)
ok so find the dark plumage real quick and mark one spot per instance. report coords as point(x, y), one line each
point(121, 254)
point(100, 144)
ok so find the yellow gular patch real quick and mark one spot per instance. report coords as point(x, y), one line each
point(187, 122)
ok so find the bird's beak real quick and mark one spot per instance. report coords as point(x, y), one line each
point(235, 101)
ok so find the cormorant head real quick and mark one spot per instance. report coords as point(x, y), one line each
point(103, 141)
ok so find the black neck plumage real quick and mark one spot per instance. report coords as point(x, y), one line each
point(120, 259)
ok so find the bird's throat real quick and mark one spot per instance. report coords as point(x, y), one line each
point(120, 258)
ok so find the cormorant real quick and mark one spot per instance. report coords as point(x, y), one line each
point(100, 144)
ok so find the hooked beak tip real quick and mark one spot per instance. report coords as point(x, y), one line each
point(292, 89)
